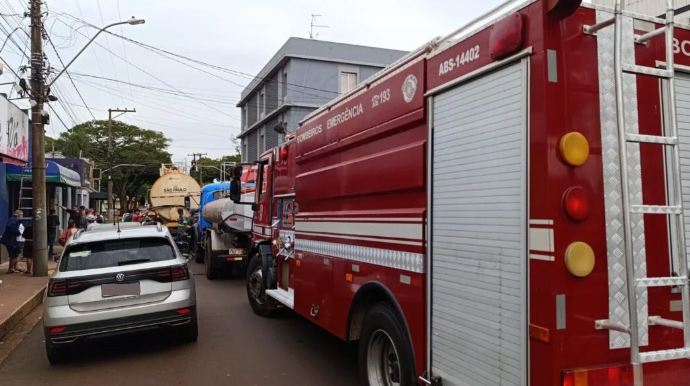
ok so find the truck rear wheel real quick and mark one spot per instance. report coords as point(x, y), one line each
point(385, 355)
point(198, 252)
point(211, 271)
point(261, 303)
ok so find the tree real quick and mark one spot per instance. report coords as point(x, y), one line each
point(130, 145)
point(210, 168)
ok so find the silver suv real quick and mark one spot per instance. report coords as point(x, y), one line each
point(116, 279)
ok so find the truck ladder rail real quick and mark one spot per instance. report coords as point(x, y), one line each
point(635, 279)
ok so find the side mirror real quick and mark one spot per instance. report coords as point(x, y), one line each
point(254, 207)
point(235, 190)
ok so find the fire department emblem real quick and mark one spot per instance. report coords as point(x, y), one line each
point(409, 88)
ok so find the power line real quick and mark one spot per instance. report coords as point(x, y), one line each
point(166, 83)
point(216, 67)
point(70, 78)
point(124, 48)
point(95, 54)
point(107, 43)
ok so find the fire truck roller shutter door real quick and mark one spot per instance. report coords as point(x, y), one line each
point(683, 114)
point(478, 333)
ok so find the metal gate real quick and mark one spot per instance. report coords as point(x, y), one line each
point(478, 307)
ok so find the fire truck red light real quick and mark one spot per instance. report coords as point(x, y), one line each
point(576, 203)
point(283, 153)
point(507, 37)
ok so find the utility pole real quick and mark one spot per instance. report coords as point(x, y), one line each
point(194, 165)
point(111, 206)
point(38, 157)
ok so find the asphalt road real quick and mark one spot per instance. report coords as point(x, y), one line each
point(235, 347)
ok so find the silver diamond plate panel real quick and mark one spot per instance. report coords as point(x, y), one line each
point(618, 306)
point(664, 355)
point(656, 209)
point(406, 261)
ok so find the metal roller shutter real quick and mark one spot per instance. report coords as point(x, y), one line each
point(478, 231)
point(683, 119)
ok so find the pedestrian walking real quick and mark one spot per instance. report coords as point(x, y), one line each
point(53, 223)
point(9, 240)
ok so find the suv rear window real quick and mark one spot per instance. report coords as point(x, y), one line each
point(114, 253)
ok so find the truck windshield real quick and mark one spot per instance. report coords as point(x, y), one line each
point(113, 253)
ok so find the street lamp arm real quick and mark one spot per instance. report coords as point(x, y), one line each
point(132, 21)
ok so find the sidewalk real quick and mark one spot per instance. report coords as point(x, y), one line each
point(19, 294)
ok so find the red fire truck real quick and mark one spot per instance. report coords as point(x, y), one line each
point(503, 206)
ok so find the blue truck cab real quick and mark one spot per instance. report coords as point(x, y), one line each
point(209, 193)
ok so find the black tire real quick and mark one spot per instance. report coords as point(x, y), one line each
point(212, 273)
point(262, 304)
point(384, 349)
point(190, 332)
point(58, 355)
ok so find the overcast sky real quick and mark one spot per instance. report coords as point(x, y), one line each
point(237, 35)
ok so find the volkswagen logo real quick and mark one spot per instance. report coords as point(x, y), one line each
point(120, 277)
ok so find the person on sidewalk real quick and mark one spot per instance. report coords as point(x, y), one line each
point(9, 240)
point(87, 219)
point(29, 247)
point(74, 213)
point(53, 222)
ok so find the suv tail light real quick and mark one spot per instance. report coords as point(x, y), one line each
point(57, 287)
point(180, 272)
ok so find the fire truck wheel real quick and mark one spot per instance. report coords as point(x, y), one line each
point(262, 304)
point(385, 355)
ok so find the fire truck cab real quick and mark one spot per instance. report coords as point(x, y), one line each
point(503, 206)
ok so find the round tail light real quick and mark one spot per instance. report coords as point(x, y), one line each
point(576, 203)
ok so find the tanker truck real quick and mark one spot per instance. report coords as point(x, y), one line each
point(222, 235)
point(173, 190)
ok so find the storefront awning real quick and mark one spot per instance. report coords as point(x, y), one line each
point(55, 174)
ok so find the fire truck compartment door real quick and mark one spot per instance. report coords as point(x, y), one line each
point(478, 333)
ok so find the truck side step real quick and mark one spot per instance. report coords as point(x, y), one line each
point(286, 298)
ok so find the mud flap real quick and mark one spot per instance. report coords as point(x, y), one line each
point(268, 269)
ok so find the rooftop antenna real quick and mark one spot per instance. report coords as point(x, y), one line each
point(311, 30)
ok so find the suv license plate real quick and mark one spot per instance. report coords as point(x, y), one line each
point(236, 251)
point(130, 289)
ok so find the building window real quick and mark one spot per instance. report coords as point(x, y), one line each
point(245, 115)
point(348, 81)
point(245, 155)
point(285, 84)
point(261, 141)
point(262, 103)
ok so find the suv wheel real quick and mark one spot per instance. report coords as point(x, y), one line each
point(190, 332)
point(58, 355)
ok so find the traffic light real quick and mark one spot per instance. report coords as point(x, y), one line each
point(193, 169)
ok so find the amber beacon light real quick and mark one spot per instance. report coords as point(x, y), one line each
point(574, 148)
point(579, 259)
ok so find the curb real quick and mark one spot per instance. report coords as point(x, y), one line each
point(21, 312)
